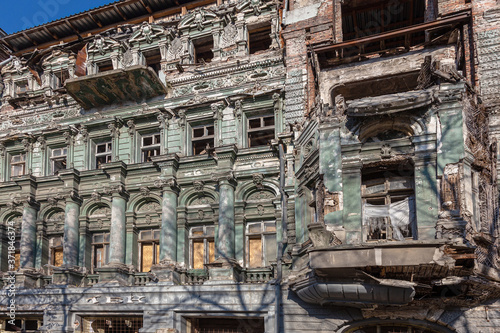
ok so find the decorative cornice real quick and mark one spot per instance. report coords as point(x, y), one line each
point(236, 68)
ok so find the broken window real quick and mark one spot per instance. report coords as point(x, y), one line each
point(388, 202)
point(260, 130)
point(58, 159)
point(259, 38)
point(56, 251)
point(153, 59)
point(226, 325)
point(112, 324)
point(203, 49)
point(202, 139)
point(103, 153)
point(105, 66)
point(149, 249)
point(202, 246)
point(17, 165)
point(100, 250)
point(150, 146)
point(22, 324)
point(21, 87)
point(261, 246)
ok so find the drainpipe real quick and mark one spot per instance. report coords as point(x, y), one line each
point(6, 61)
point(283, 17)
point(281, 245)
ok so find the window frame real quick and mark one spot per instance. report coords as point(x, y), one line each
point(155, 242)
point(389, 196)
point(207, 238)
point(265, 262)
point(98, 245)
point(60, 158)
point(54, 248)
point(263, 127)
point(206, 137)
point(152, 147)
point(104, 154)
point(12, 164)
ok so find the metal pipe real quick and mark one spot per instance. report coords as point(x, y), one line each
point(6, 61)
point(281, 244)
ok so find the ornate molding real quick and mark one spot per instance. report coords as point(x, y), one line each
point(84, 133)
point(145, 191)
point(131, 127)
point(116, 189)
point(166, 183)
point(225, 177)
point(25, 200)
point(258, 178)
point(198, 186)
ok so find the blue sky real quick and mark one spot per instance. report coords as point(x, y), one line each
point(16, 15)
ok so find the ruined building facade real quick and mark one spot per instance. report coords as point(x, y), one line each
point(252, 166)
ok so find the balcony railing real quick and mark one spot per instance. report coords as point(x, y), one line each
point(196, 276)
point(141, 279)
point(259, 275)
point(92, 279)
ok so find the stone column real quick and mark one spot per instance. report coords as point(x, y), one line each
point(225, 244)
point(28, 233)
point(116, 272)
point(71, 232)
point(69, 273)
point(118, 228)
point(168, 233)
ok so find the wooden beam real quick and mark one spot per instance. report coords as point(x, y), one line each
point(119, 11)
point(96, 21)
point(146, 6)
point(8, 46)
point(72, 26)
point(51, 33)
point(29, 38)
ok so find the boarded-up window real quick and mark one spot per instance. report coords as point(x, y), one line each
point(17, 256)
point(261, 244)
point(56, 251)
point(202, 246)
point(149, 248)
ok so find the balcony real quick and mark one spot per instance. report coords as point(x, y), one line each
point(386, 273)
point(136, 83)
point(390, 42)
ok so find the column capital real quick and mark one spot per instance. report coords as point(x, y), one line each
point(116, 190)
point(225, 178)
point(23, 199)
point(71, 196)
point(168, 184)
